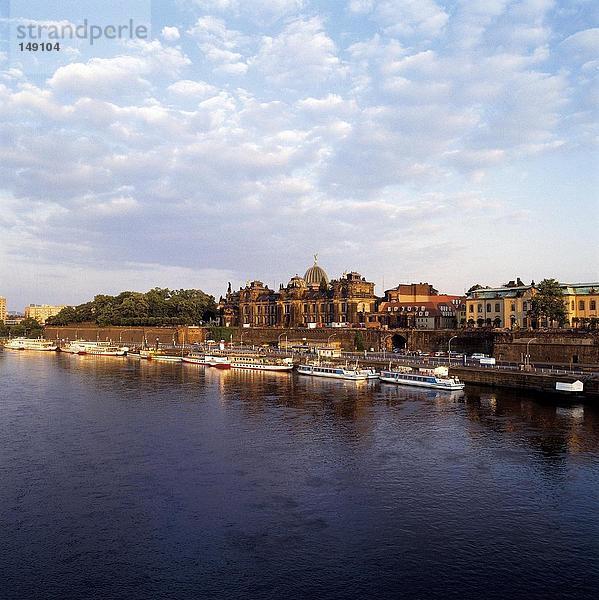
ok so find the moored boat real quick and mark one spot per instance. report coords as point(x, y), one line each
point(40, 345)
point(429, 378)
point(370, 373)
point(332, 372)
point(209, 360)
point(260, 363)
point(95, 348)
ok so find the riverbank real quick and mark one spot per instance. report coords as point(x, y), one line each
point(537, 382)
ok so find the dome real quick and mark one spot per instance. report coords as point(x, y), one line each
point(315, 274)
point(296, 282)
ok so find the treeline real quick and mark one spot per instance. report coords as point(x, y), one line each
point(26, 328)
point(159, 306)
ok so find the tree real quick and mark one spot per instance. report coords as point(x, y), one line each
point(27, 328)
point(157, 307)
point(548, 302)
point(359, 342)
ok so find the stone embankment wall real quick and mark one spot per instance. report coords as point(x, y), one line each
point(134, 335)
point(548, 347)
point(537, 382)
point(558, 347)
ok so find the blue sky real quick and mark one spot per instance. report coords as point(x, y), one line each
point(411, 140)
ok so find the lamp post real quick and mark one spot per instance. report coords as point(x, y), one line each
point(241, 339)
point(279, 342)
point(449, 351)
point(527, 357)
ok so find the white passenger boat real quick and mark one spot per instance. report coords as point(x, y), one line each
point(22, 343)
point(167, 358)
point(260, 363)
point(370, 373)
point(210, 360)
point(333, 372)
point(429, 378)
point(95, 348)
point(159, 356)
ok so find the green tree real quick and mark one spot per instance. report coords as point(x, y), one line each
point(359, 342)
point(159, 306)
point(27, 328)
point(548, 302)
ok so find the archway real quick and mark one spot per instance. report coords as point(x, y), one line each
point(399, 341)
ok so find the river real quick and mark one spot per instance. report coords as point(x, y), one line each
point(126, 479)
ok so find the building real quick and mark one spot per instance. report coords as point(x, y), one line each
point(42, 312)
point(419, 306)
point(509, 305)
point(309, 301)
point(2, 308)
point(582, 300)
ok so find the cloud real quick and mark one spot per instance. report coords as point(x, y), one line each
point(170, 34)
point(300, 55)
point(220, 45)
point(122, 75)
point(390, 135)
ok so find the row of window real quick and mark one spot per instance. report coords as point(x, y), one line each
point(582, 305)
point(489, 307)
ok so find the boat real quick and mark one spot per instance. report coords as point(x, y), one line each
point(260, 363)
point(210, 360)
point(333, 372)
point(371, 373)
point(22, 343)
point(437, 378)
point(158, 355)
point(95, 348)
point(166, 358)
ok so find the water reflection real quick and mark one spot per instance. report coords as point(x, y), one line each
point(130, 478)
point(521, 420)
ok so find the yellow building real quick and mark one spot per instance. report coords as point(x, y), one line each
point(42, 312)
point(2, 309)
point(508, 306)
point(499, 307)
point(582, 301)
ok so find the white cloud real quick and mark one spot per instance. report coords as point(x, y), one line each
point(192, 89)
point(170, 34)
point(220, 45)
point(301, 54)
point(411, 17)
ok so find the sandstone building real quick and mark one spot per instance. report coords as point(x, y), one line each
point(309, 301)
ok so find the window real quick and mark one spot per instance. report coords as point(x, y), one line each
point(581, 305)
point(471, 309)
point(513, 307)
point(488, 308)
point(592, 305)
point(480, 308)
point(497, 309)
point(572, 305)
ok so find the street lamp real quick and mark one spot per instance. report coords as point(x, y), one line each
point(527, 357)
point(241, 339)
point(449, 351)
point(279, 341)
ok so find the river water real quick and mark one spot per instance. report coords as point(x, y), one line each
point(121, 478)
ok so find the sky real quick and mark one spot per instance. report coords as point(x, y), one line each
point(409, 140)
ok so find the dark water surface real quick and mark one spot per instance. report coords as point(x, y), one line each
point(126, 479)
